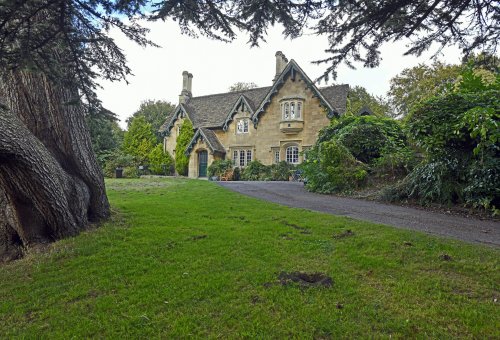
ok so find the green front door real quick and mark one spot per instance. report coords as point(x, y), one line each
point(202, 163)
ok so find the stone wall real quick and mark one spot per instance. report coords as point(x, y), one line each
point(170, 141)
point(268, 137)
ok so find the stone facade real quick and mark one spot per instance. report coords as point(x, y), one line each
point(269, 124)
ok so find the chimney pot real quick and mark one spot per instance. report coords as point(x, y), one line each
point(281, 62)
point(186, 87)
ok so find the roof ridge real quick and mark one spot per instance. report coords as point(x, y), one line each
point(230, 92)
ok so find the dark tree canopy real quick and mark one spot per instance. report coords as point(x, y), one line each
point(356, 29)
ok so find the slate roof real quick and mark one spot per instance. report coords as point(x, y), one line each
point(336, 96)
point(214, 111)
point(210, 138)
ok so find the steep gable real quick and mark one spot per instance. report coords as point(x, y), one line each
point(209, 137)
point(291, 70)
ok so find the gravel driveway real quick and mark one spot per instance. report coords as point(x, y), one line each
point(293, 194)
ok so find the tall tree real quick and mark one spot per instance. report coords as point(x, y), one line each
point(51, 51)
point(355, 29)
point(155, 112)
point(419, 83)
point(359, 98)
point(139, 140)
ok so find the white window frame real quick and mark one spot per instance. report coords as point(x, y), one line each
point(248, 157)
point(242, 126)
point(292, 154)
point(242, 158)
point(292, 109)
point(276, 156)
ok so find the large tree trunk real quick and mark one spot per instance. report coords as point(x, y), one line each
point(50, 183)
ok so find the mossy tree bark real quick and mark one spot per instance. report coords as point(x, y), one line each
point(51, 186)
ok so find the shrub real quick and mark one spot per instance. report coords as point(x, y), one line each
point(159, 161)
point(439, 180)
point(118, 159)
point(185, 136)
point(236, 174)
point(130, 172)
point(255, 171)
point(219, 167)
point(367, 138)
point(280, 171)
point(482, 188)
point(330, 167)
point(459, 132)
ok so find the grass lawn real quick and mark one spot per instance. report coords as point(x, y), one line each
point(185, 258)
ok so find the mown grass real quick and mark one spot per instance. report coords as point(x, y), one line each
point(186, 258)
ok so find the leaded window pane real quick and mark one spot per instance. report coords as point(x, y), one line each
point(249, 156)
point(242, 157)
point(292, 154)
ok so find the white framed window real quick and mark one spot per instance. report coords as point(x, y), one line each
point(292, 109)
point(249, 156)
point(276, 156)
point(242, 158)
point(292, 154)
point(242, 126)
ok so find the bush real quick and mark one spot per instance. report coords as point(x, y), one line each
point(280, 171)
point(435, 181)
point(460, 133)
point(159, 161)
point(482, 188)
point(118, 159)
point(236, 174)
point(255, 171)
point(330, 167)
point(130, 172)
point(185, 136)
point(219, 167)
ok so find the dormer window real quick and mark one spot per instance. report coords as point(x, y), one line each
point(291, 108)
point(242, 126)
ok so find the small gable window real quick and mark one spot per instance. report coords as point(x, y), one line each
point(291, 109)
point(242, 126)
point(292, 155)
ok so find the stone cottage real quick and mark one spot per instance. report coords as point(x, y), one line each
point(269, 124)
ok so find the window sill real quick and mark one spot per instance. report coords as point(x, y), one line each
point(291, 126)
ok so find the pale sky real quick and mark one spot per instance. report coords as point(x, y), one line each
point(217, 65)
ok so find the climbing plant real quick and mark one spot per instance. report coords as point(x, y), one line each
point(181, 159)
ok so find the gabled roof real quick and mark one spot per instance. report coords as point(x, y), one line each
point(293, 68)
point(209, 137)
point(365, 111)
point(217, 110)
point(172, 117)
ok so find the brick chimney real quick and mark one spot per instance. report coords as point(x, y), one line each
point(187, 82)
point(281, 62)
